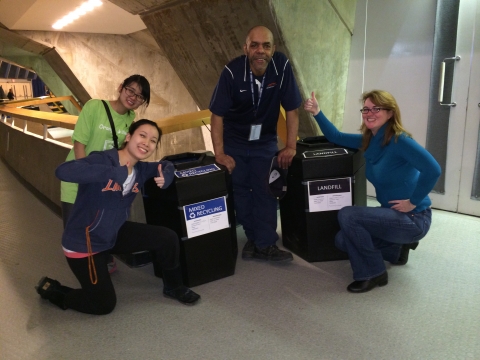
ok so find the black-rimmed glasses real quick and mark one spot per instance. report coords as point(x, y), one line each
point(374, 110)
point(130, 93)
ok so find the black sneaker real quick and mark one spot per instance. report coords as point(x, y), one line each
point(53, 291)
point(272, 253)
point(182, 294)
point(248, 249)
point(46, 286)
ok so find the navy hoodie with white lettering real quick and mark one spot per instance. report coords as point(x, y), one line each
point(100, 207)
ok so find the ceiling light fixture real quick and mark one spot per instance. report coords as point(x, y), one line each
point(75, 14)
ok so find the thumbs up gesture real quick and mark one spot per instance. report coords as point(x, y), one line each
point(159, 180)
point(311, 105)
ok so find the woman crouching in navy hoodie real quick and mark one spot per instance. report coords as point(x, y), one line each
point(108, 182)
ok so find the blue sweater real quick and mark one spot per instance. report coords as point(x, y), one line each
point(400, 170)
point(100, 204)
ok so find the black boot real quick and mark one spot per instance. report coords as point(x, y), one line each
point(173, 287)
point(53, 291)
point(403, 258)
point(367, 285)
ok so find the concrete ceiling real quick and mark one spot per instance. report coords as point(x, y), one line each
point(42, 14)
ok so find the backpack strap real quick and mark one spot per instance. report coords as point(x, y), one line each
point(112, 126)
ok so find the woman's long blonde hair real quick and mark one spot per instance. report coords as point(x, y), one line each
point(395, 128)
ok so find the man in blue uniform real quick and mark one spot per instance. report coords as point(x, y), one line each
point(245, 107)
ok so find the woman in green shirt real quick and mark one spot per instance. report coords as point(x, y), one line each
point(93, 131)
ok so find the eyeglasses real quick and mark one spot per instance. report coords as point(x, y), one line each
point(374, 110)
point(130, 93)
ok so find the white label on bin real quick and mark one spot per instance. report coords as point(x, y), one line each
point(324, 153)
point(199, 170)
point(206, 217)
point(328, 195)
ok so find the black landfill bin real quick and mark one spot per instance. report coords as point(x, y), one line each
point(323, 178)
point(198, 206)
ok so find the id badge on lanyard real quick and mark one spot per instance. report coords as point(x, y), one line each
point(256, 129)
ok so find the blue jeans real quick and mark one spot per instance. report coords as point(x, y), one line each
point(255, 207)
point(371, 235)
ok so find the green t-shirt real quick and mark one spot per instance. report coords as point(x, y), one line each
point(93, 130)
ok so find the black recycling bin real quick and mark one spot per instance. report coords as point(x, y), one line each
point(198, 206)
point(323, 178)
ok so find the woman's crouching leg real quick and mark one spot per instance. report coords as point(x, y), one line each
point(97, 294)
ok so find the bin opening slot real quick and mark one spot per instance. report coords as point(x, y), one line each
point(185, 160)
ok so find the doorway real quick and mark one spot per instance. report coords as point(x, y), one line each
point(392, 49)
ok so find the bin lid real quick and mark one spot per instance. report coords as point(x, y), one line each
point(195, 171)
point(315, 141)
point(187, 160)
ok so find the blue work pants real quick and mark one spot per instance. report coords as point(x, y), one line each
point(255, 207)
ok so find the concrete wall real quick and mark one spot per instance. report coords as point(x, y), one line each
point(34, 159)
point(192, 41)
point(195, 39)
point(200, 36)
point(102, 62)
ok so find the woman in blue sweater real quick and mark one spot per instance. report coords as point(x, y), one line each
point(97, 226)
point(402, 172)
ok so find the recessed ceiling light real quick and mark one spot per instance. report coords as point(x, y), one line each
point(75, 14)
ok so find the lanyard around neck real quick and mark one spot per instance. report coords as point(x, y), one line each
point(255, 108)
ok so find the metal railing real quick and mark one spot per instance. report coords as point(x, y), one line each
point(168, 125)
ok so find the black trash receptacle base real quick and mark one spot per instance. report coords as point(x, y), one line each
point(206, 257)
point(311, 234)
point(316, 243)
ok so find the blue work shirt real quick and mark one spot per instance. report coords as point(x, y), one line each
point(232, 100)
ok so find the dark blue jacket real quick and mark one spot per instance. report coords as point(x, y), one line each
point(100, 205)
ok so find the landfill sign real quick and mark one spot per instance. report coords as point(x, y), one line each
point(328, 195)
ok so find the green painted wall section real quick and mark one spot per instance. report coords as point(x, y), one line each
point(317, 35)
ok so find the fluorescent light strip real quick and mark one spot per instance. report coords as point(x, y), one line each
point(75, 14)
